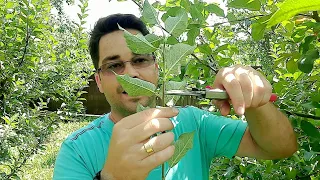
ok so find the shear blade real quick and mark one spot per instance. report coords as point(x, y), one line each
point(185, 93)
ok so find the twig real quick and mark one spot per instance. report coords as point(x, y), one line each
point(237, 20)
point(25, 47)
point(137, 4)
point(302, 115)
point(306, 15)
point(315, 16)
point(214, 70)
point(27, 40)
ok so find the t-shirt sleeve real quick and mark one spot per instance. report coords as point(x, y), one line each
point(221, 136)
point(69, 164)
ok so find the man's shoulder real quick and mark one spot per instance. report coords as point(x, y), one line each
point(95, 128)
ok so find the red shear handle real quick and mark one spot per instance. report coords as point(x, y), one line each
point(273, 97)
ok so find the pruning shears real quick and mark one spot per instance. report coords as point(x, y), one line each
point(209, 93)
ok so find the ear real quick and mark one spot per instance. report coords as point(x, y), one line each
point(98, 81)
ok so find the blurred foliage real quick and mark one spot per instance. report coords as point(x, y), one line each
point(43, 59)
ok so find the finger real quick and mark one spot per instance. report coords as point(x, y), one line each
point(218, 103)
point(133, 120)
point(268, 92)
point(223, 106)
point(157, 144)
point(233, 88)
point(258, 89)
point(243, 77)
point(219, 78)
point(149, 128)
point(157, 158)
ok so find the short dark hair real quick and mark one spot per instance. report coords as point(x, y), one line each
point(109, 24)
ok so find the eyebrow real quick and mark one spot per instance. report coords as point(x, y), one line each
point(109, 58)
point(115, 57)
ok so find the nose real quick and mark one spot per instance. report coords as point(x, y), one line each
point(130, 70)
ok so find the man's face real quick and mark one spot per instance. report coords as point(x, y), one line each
point(113, 48)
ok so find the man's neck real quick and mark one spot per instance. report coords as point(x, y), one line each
point(116, 116)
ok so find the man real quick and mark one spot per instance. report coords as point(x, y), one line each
point(120, 145)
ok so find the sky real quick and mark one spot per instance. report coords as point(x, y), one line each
point(102, 8)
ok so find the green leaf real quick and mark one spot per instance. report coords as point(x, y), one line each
point(253, 5)
point(177, 24)
point(170, 100)
point(259, 27)
point(292, 66)
point(9, 16)
point(186, 4)
point(173, 11)
point(154, 39)
point(6, 119)
point(138, 43)
point(258, 31)
point(192, 35)
point(305, 46)
point(141, 108)
point(309, 129)
point(172, 40)
point(214, 8)
point(231, 17)
point(290, 8)
point(9, 5)
point(299, 34)
point(79, 16)
point(196, 12)
point(182, 146)
point(306, 62)
point(149, 14)
point(205, 48)
point(174, 54)
point(136, 87)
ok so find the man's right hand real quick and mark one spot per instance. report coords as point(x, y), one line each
point(127, 156)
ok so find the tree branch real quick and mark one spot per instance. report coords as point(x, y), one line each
point(214, 70)
point(27, 42)
point(315, 16)
point(137, 4)
point(302, 115)
point(237, 20)
point(306, 15)
point(25, 48)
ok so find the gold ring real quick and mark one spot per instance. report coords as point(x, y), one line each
point(148, 148)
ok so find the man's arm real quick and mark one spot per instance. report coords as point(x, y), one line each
point(269, 135)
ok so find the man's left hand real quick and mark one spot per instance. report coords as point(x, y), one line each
point(246, 87)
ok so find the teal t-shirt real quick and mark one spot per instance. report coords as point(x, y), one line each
point(83, 153)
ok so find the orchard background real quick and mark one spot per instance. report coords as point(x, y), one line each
point(44, 58)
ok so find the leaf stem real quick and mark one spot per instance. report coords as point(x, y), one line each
point(163, 103)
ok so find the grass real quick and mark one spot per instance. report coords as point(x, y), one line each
point(40, 165)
